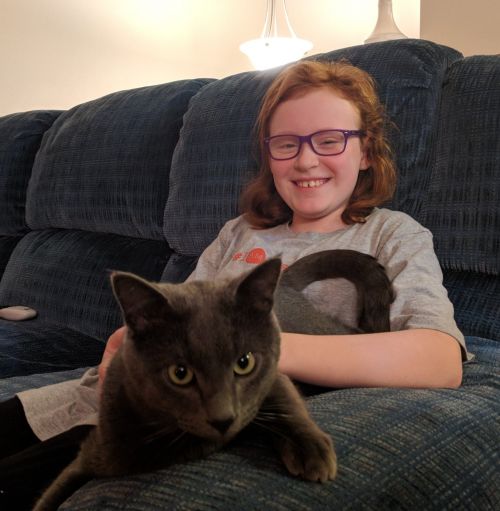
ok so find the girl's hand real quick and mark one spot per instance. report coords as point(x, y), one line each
point(114, 342)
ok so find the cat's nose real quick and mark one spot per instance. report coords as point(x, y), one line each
point(222, 425)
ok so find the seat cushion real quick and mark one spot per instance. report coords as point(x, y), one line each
point(37, 346)
point(397, 449)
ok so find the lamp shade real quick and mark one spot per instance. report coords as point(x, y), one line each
point(268, 52)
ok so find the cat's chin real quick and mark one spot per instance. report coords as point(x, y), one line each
point(211, 434)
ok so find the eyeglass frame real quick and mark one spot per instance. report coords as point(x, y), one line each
point(308, 138)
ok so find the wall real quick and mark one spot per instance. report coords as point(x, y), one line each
point(58, 53)
point(471, 27)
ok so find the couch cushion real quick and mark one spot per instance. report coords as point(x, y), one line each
point(462, 206)
point(20, 137)
point(95, 203)
point(476, 299)
point(37, 346)
point(214, 158)
point(7, 245)
point(64, 275)
point(397, 449)
point(104, 165)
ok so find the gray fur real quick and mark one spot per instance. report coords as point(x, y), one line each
point(374, 291)
point(147, 422)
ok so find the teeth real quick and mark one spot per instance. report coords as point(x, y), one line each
point(311, 184)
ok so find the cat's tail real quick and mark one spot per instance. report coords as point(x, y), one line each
point(68, 481)
point(374, 290)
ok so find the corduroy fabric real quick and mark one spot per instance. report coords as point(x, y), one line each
point(476, 299)
point(213, 159)
point(64, 275)
point(37, 346)
point(7, 245)
point(20, 137)
point(95, 202)
point(397, 449)
point(409, 75)
point(104, 165)
point(462, 204)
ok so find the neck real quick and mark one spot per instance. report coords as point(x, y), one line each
point(321, 225)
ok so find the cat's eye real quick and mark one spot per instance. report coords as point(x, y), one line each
point(245, 364)
point(180, 375)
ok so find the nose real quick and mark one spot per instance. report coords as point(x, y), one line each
point(306, 158)
point(222, 425)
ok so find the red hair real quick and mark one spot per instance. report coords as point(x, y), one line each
point(261, 204)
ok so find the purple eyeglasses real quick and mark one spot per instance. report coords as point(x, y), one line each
point(323, 143)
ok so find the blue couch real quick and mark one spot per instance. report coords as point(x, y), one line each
point(142, 180)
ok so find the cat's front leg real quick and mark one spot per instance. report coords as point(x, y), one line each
point(305, 449)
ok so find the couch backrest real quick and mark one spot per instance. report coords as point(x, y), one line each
point(95, 203)
point(462, 205)
point(20, 137)
point(103, 195)
point(213, 159)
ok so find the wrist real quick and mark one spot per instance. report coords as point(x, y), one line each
point(286, 360)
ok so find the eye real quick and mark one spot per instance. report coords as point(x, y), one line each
point(284, 144)
point(245, 364)
point(328, 141)
point(180, 375)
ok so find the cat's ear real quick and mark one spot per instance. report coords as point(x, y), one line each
point(256, 290)
point(140, 301)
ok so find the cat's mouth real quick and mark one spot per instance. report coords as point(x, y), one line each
point(217, 430)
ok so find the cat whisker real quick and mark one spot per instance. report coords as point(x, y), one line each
point(156, 435)
point(273, 415)
point(274, 430)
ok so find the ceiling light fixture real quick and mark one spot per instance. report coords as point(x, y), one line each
point(272, 49)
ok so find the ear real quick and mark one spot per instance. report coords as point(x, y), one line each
point(365, 163)
point(256, 290)
point(141, 302)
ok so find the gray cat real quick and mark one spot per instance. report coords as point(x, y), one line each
point(200, 363)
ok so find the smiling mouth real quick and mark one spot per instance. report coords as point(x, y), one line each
point(312, 183)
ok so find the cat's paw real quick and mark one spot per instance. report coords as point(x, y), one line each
point(310, 456)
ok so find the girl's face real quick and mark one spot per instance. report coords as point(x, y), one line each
point(317, 188)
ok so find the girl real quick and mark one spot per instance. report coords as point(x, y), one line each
point(326, 167)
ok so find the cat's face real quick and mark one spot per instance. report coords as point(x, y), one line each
point(201, 353)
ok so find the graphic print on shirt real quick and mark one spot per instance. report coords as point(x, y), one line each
point(255, 256)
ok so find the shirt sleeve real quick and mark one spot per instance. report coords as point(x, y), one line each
point(210, 260)
point(421, 300)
